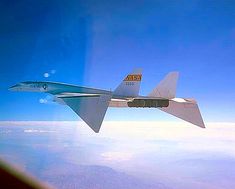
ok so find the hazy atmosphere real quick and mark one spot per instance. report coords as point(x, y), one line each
point(95, 43)
point(142, 155)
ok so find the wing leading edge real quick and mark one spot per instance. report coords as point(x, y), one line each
point(91, 109)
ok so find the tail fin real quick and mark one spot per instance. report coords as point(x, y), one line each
point(167, 87)
point(130, 86)
point(186, 109)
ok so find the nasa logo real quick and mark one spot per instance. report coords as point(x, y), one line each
point(133, 77)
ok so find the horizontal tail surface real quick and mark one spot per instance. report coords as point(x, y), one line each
point(167, 87)
point(186, 109)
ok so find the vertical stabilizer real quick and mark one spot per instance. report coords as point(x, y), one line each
point(130, 86)
point(167, 87)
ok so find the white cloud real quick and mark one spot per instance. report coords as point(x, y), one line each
point(117, 156)
point(38, 131)
point(155, 150)
point(5, 131)
point(39, 123)
point(132, 136)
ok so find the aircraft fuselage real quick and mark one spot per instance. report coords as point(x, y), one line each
point(91, 104)
point(66, 90)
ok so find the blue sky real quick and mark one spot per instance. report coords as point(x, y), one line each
point(95, 43)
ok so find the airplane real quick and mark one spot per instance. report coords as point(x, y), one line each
point(91, 104)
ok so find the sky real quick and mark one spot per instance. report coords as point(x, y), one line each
point(96, 43)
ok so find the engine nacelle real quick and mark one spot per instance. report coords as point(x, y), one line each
point(148, 103)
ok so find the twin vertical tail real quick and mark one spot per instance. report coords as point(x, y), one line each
point(167, 87)
point(186, 109)
point(130, 86)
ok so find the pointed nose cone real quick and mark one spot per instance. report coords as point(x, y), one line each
point(14, 87)
point(11, 88)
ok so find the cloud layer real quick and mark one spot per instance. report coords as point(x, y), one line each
point(171, 153)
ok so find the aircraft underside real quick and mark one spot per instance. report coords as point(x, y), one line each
point(139, 103)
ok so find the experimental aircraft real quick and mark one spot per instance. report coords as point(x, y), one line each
point(91, 104)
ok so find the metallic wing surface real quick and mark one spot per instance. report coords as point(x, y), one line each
point(186, 109)
point(91, 109)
